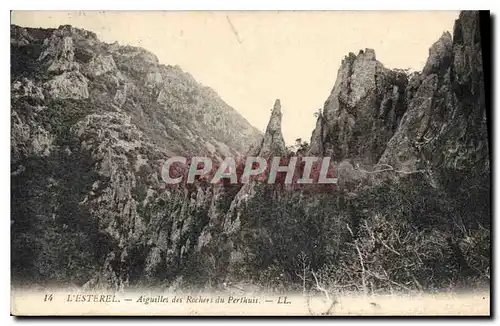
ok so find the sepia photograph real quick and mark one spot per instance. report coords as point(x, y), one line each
point(250, 163)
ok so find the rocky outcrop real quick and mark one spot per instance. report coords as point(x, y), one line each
point(68, 85)
point(434, 118)
point(27, 140)
point(59, 55)
point(439, 55)
point(362, 111)
point(26, 88)
point(100, 65)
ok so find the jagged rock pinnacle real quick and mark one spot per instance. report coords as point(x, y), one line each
point(275, 121)
point(440, 54)
point(273, 143)
point(351, 124)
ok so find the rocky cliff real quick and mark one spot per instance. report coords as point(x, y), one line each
point(435, 117)
point(445, 123)
point(363, 110)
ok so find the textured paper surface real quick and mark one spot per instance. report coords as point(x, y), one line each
point(27, 302)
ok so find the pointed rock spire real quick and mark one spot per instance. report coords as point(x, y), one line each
point(273, 142)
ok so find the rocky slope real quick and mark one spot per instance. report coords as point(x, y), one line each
point(97, 121)
point(178, 114)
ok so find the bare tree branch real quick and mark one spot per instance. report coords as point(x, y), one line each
point(319, 287)
point(391, 249)
point(363, 276)
point(388, 280)
point(391, 168)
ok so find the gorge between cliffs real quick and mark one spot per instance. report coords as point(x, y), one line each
point(93, 123)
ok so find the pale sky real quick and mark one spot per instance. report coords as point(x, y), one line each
point(252, 58)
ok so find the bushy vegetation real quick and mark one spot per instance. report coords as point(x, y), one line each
point(54, 239)
point(398, 236)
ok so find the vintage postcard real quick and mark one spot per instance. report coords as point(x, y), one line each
point(239, 163)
